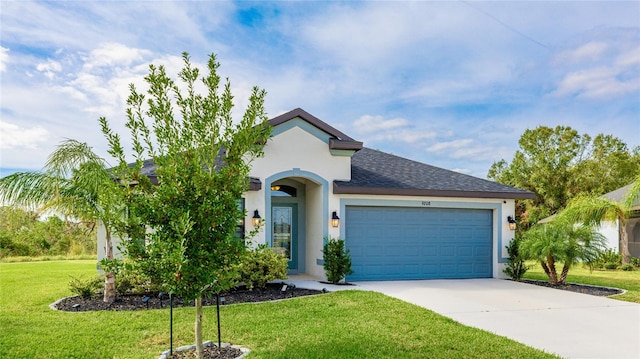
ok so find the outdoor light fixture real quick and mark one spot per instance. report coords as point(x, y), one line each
point(76, 306)
point(335, 220)
point(256, 218)
point(275, 188)
point(145, 300)
point(160, 296)
point(512, 223)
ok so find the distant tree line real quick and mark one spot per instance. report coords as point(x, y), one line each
point(24, 233)
point(559, 164)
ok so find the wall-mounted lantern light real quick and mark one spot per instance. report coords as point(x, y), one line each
point(335, 220)
point(512, 223)
point(256, 218)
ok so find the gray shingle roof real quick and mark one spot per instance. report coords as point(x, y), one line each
point(620, 195)
point(375, 172)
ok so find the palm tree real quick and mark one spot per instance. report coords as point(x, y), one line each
point(75, 183)
point(592, 211)
point(561, 242)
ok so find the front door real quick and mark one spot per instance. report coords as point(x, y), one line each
point(285, 228)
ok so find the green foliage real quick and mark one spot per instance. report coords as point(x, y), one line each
point(561, 242)
point(610, 265)
point(557, 164)
point(22, 233)
point(635, 261)
point(262, 265)
point(133, 281)
point(516, 266)
point(627, 267)
point(337, 261)
point(85, 287)
point(609, 259)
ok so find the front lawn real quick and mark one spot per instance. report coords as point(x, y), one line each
point(630, 281)
point(351, 324)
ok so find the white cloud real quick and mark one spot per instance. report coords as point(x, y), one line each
point(629, 58)
point(451, 145)
point(49, 68)
point(14, 136)
point(588, 52)
point(596, 83)
point(113, 54)
point(369, 123)
point(4, 58)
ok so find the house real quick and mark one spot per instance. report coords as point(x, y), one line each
point(611, 230)
point(400, 219)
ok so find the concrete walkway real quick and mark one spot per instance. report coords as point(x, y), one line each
point(568, 324)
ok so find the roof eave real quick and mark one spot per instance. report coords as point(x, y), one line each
point(337, 189)
point(298, 112)
point(336, 144)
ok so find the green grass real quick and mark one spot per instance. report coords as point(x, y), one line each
point(630, 281)
point(351, 324)
point(17, 259)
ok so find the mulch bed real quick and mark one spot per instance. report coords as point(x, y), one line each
point(273, 291)
point(578, 288)
point(210, 352)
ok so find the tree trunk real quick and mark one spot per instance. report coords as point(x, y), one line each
point(545, 268)
point(109, 277)
point(553, 275)
point(563, 275)
point(624, 241)
point(198, 327)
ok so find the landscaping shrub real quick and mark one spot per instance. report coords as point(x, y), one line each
point(516, 267)
point(635, 261)
point(85, 287)
point(337, 261)
point(129, 280)
point(262, 265)
point(610, 265)
point(627, 267)
point(608, 259)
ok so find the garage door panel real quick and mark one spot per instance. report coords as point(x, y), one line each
point(389, 243)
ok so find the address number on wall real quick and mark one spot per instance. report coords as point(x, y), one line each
point(426, 203)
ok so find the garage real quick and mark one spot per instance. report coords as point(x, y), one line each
point(390, 243)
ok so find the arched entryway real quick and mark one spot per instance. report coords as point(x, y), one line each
point(296, 217)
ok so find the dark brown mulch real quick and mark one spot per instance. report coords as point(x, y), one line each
point(579, 288)
point(273, 291)
point(210, 352)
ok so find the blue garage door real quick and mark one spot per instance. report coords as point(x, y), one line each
point(388, 243)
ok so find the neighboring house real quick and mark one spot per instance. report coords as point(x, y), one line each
point(610, 229)
point(400, 219)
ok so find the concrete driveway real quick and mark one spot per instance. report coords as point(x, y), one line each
point(568, 324)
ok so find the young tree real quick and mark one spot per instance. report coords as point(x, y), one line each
point(203, 160)
point(75, 183)
point(561, 242)
point(558, 164)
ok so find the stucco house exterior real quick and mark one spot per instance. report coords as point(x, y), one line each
point(400, 219)
point(611, 230)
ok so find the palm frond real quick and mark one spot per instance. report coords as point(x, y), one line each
point(30, 189)
point(593, 211)
point(69, 155)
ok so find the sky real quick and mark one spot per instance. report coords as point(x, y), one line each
point(453, 84)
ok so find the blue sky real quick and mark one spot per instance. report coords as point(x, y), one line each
point(452, 84)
